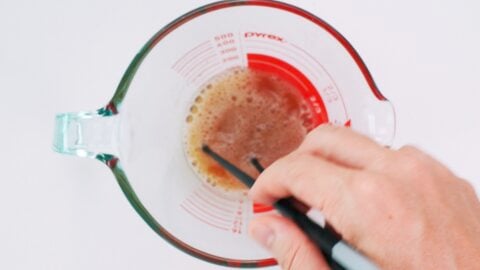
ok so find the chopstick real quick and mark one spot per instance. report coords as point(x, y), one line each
point(328, 242)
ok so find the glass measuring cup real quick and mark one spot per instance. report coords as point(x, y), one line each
point(139, 133)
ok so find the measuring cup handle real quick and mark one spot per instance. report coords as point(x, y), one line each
point(87, 134)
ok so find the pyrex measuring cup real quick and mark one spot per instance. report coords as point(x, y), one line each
point(139, 133)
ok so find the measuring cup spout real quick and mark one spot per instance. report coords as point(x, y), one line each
point(87, 134)
point(377, 121)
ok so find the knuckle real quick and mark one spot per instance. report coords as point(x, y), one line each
point(365, 185)
point(324, 128)
point(409, 150)
point(412, 159)
point(332, 131)
point(322, 132)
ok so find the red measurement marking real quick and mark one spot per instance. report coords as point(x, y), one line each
point(276, 49)
point(282, 49)
point(219, 195)
point(229, 50)
point(208, 214)
point(225, 43)
point(196, 57)
point(225, 40)
point(188, 53)
point(210, 74)
point(202, 78)
point(326, 72)
point(216, 206)
point(199, 64)
point(203, 220)
point(230, 58)
point(224, 36)
point(295, 77)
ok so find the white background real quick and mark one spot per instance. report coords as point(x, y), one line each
point(58, 212)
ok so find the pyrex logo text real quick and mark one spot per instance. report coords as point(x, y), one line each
point(263, 35)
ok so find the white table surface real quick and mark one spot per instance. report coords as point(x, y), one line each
point(58, 212)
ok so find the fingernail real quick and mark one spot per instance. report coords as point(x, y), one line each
point(262, 234)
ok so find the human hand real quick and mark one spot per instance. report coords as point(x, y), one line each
point(401, 208)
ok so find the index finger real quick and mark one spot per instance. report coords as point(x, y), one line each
point(315, 181)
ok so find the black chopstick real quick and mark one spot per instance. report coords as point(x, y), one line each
point(328, 242)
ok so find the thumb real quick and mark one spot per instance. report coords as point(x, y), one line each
point(287, 243)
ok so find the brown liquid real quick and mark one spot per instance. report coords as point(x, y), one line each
point(241, 114)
